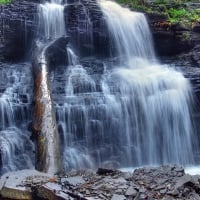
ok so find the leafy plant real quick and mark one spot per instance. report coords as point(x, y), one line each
point(182, 14)
point(178, 12)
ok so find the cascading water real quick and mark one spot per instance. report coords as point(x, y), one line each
point(155, 100)
point(51, 20)
point(137, 112)
point(129, 111)
point(16, 148)
point(129, 31)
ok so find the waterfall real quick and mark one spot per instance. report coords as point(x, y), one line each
point(155, 100)
point(129, 31)
point(51, 20)
point(137, 112)
point(123, 111)
point(16, 149)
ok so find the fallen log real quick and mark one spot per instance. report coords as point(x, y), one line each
point(45, 129)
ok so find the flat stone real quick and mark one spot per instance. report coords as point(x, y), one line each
point(183, 180)
point(163, 191)
point(11, 184)
point(131, 192)
point(76, 180)
point(118, 197)
point(51, 191)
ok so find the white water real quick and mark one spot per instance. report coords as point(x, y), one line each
point(156, 99)
point(136, 113)
point(16, 149)
point(192, 170)
point(129, 31)
point(51, 20)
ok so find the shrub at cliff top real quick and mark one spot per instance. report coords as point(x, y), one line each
point(175, 11)
point(4, 1)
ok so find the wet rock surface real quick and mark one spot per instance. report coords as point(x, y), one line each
point(191, 58)
point(87, 28)
point(18, 26)
point(165, 182)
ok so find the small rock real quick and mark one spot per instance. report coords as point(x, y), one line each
point(183, 180)
point(142, 190)
point(163, 191)
point(102, 171)
point(131, 192)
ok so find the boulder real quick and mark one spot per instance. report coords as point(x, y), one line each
point(13, 185)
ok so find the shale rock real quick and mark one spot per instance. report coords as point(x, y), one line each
point(87, 28)
point(165, 182)
point(191, 58)
point(18, 26)
point(17, 185)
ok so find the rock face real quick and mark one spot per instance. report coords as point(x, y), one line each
point(86, 28)
point(172, 39)
point(56, 53)
point(191, 58)
point(17, 29)
point(84, 24)
point(166, 182)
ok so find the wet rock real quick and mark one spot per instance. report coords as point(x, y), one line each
point(102, 171)
point(56, 53)
point(191, 58)
point(18, 17)
point(87, 28)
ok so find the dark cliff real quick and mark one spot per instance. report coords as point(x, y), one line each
point(84, 24)
point(86, 29)
point(17, 29)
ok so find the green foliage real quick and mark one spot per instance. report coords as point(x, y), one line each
point(4, 1)
point(175, 11)
point(176, 14)
point(161, 1)
point(139, 5)
point(181, 14)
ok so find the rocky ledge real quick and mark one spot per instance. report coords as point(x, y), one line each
point(173, 38)
point(165, 182)
point(191, 58)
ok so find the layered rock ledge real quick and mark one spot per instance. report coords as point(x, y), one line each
point(165, 182)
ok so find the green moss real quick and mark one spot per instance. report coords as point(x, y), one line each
point(4, 1)
point(175, 11)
